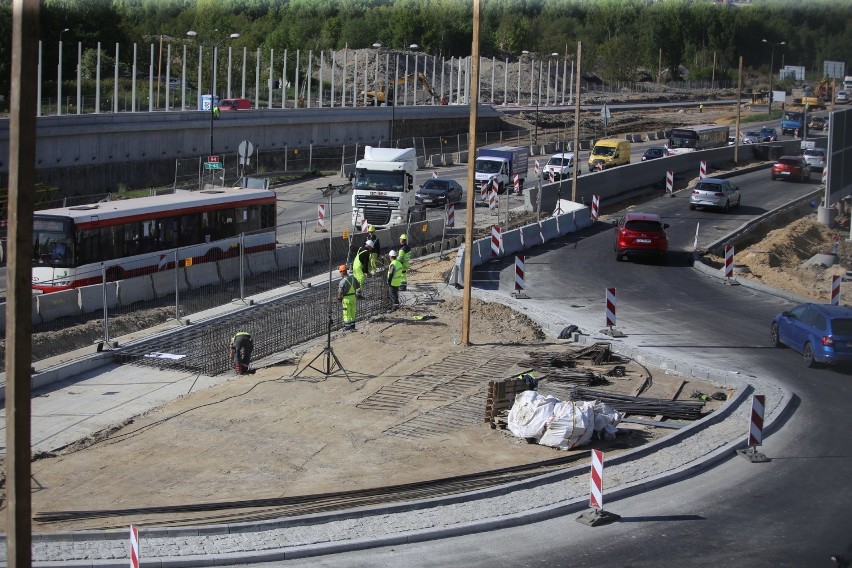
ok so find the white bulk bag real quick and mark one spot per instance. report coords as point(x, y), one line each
point(529, 414)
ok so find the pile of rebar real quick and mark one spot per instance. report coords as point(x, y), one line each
point(559, 368)
point(674, 409)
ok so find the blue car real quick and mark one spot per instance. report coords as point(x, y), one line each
point(822, 333)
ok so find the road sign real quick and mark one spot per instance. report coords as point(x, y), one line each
point(213, 166)
point(212, 158)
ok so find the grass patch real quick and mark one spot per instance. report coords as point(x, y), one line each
point(762, 117)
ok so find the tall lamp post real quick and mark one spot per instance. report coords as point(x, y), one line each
point(538, 96)
point(213, 77)
point(59, 75)
point(772, 67)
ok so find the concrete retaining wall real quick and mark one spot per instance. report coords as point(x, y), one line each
point(58, 305)
point(200, 275)
point(132, 290)
point(164, 282)
point(92, 297)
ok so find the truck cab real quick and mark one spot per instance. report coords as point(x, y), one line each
point(383, 188)
point(609, 153)
point(793, 121)
point(499, 165)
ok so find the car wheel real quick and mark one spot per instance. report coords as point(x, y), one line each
point(808, 355)
point(739, 201)
point(727, 206)
point(619, 257)
point(773, 335)
point(691, 207)
point(773, 178)
point(663, 260)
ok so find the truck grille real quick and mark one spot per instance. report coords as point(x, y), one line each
point(377, 215)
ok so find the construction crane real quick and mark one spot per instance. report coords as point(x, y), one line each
point(378, 97)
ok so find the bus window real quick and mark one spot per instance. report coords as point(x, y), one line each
point(224, 225)
point(189, 230)
point(132, 239)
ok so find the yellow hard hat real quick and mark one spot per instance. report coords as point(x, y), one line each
point(371, 229)
point(402, 237)
point(342, 268)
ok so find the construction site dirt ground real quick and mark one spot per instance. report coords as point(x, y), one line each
point(410, 407)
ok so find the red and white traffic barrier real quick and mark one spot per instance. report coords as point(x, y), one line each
point(519, 272)
point(321, 217)
point(669, 181)
point(596, 207)
point(434, 174)
point(484, 190)
point(496, 240)
point(134, 547)
point(492, 200)
point(825, 175)
point(835, 290)
point(610, 307)
point(755, 424)
point(702, 172)
point(495, 186)
point(729, 261)
point(596, 480)
point(516, 180)
point(451, 216)
point(537, 168)
point(364, 225)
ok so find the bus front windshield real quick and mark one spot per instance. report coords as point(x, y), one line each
point(681, 141)
point(379, 181)
point(53, 243)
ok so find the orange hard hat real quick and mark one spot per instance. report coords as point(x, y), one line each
point(342, 268)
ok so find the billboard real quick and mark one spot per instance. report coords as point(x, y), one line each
point(834, 69)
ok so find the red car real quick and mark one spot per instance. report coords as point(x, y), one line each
point(791, 167)
point(641, 235)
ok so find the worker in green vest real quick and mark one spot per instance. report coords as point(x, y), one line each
point(346, 296)
point(241, 348)
point(394, 278)
point(404, 256)
point(361, 264)
point(377, 249)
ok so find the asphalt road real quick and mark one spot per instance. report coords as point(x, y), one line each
point(792, 511)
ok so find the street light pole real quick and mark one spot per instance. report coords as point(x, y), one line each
point(213, 78)
point(772, 67)
point(59, 76)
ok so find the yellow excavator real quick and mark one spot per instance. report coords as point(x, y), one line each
point(378, 97)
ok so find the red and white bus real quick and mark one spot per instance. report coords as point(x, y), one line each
point(701, 137)
point(72, 246)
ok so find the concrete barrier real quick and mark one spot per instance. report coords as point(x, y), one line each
point(565, 224)
point(202, 274)
point(92, 297)
point(287, 257)
point(461, 157)
point(261, 262)
point(652, 136)
point(164, 282)
point(421, 162)
point(512, 242)
point(132, 290)
point(58, 305)
point(531, 235)
point(36, 319)
point(229, 269)
point(447, 159)
point(436, 160)
point(549, 230)
point(583, 218)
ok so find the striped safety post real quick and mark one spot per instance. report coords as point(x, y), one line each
point(702, 172)
point(483, 192)
point(669, 181)
point(516, 181)
point(729, 261)
point(434, 174)
point(492, 200)
point(596, 207)
point(496, 240)
point(835, 290)
point(519, 277)
point(537, 169)
point(596, 481)
point(451, 216)
point(825, 175)
point(495, 185)
point(320, 217)
point(364, 225)
point(134, 547)
point(610, 307)
point(755, 431)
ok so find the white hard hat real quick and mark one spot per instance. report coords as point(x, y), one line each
point(392, 253)
point(369, 243)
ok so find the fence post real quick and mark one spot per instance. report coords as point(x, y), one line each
point(177, 287)
point(242, 266)
point(302, 231)
point(106, 304)
point(286, 153)
point(311, 156)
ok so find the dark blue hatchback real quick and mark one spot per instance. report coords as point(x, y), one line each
point(822, 333)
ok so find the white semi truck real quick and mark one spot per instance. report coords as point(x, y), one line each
point(383, 188)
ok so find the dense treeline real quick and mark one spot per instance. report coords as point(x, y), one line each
point(620, 37)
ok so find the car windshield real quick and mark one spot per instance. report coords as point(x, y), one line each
point(814, 153)
point(841, 326)
point(603, 151)
point(436, 184)
point(379, 181)
point(642, 226)
point(557, 162)
point(488, 166)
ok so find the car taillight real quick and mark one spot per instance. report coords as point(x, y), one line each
point(694, 192)
point(827, 341)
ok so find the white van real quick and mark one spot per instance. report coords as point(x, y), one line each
point(560, 166)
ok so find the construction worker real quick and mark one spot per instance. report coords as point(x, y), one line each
point(361, 265)
point(241, 348)
point(700, 107)
point(377, 249)
point(216, 111)
point(404, 256)
point(346, 295)
point(394, 278)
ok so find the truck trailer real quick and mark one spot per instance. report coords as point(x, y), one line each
point(383, 188)
point(501, 164)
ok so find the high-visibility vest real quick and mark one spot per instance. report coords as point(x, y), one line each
point(351, 281)
point(357, 264)
point(405, 256)
point(395, 272)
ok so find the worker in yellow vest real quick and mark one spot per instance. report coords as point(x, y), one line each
point(404, 256)
point(361, 264)
point(346, 296)
point(394, 278)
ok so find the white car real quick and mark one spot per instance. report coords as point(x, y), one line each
point(842, 97)
point(560, 166)
point(815, 157)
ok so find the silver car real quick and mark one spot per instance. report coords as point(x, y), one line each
point(715, 192)
point(815, 157)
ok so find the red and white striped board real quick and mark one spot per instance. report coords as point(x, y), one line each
point(825, 175)
point(729, 261)
point(134, 547)
point(537, 168)
point(516, 180)
point(364, 225)
point(596, 481)
point(434, 174)
point(492, 200)
point(669, 181)
point(496, 240)
point(320, 216)
point(755, 425)
point(451, 216)
point(702, 172)
point(495, 185)
point(610, 307)
point(835, 290)
point(484, 191)
point(596, 207)
point(519, 272)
